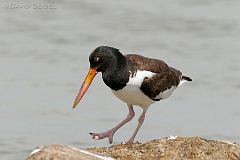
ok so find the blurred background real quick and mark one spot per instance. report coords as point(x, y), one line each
point(44, 49)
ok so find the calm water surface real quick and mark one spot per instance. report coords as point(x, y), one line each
point(44, 59)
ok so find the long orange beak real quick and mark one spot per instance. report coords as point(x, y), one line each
point(87, 82)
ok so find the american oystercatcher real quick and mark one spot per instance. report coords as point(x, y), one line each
point(134, 79)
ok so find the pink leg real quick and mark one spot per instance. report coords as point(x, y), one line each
point(140, 122)
point(110, 133)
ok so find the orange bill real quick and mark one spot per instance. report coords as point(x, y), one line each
point(87, 82)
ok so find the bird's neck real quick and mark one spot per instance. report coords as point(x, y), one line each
point(117, 76)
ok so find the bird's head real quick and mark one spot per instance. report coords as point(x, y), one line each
point(101, 60)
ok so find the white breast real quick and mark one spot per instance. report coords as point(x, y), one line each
point(131, 93)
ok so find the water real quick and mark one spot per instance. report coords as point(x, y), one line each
point(44, 59)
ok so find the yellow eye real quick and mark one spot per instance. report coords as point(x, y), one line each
point(96, 59)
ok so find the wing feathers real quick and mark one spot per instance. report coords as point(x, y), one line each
point(164, 79)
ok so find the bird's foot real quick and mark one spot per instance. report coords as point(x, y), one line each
point(130, 141)
point(98, 136)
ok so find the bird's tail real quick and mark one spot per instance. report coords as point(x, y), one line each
point(186, 78)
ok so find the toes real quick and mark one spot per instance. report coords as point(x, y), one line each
point(130, 141)
point(95, 137)
point(123, 143)
point(98, 136)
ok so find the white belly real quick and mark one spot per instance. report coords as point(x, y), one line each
point(134, 96)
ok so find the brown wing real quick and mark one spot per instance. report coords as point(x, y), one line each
point(165, 77)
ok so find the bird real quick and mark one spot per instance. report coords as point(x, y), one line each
point(134, 79)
